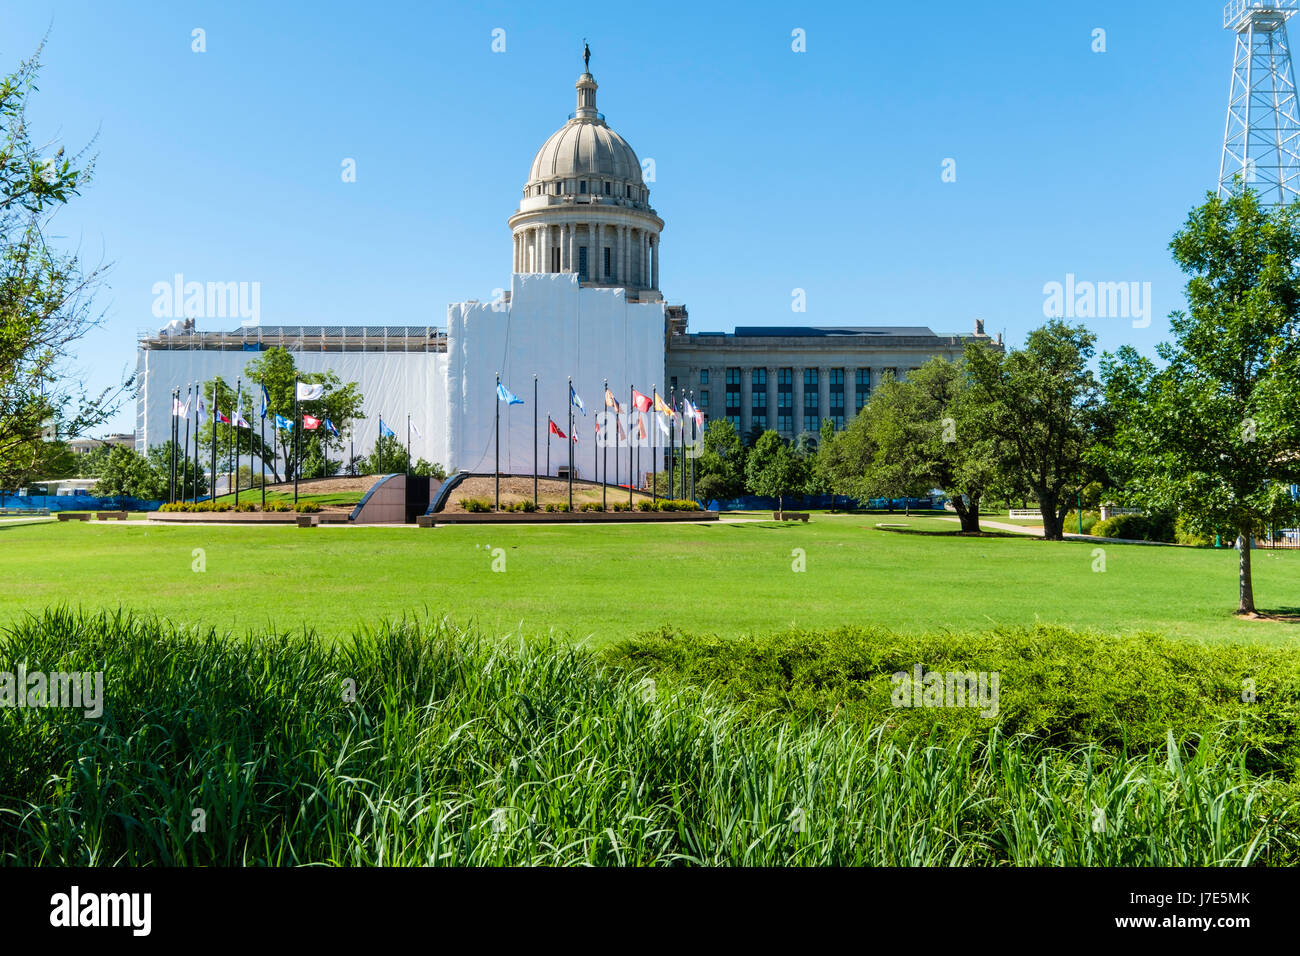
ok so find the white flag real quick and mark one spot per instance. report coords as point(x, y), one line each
point(309, 393)
point(415, 431)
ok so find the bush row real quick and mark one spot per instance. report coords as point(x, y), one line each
point(304, 507)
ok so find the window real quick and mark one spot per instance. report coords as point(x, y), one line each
point(735, 422)
point(758, 393)
point(555, 259)
point(784, 424)
point(811, 423)
point(784, 400)
point(785, 376)
point(733, 395)
point(810, 378)
point(582, 262)
point(837, 397)
point(704, 396)
point(760, 420)
point(733, 376)
point(672, 382)
point(608, 261)
point(863, 388)
point(582, 186)
point(606, 189)
point(704, 376)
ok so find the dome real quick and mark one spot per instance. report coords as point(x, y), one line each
point(585, 147)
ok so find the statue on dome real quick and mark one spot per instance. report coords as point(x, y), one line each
point(586, 57)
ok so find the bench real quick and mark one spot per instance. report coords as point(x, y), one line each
point(790, 516)
point(424, 521)
point(110, 515)
point(308, 521)
point(26, 512)
point(74, 515)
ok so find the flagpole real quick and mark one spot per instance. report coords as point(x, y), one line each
point(496, 475)
point(185, 471)
point(548, 444)
point(261, 438)
point(548, 440)
point(171, 478)
point(655, 448)
point(297, 427)
point(697, 425)
point(212, 491)
point(630, 406)
point(239, 384)
point(408, 444)
point(570, 442)
point(604, 479)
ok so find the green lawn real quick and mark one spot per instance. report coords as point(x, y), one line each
point(609, 582)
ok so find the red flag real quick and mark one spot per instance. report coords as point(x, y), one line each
point(642, 402)
point(222, 418)
point(640, 423)
point(309, 423)
point(555, 430)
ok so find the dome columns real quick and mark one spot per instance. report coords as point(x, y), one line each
point(550, 246)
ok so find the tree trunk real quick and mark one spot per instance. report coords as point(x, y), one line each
point(1246, 590)
point(1052, 520)
point(970, 516)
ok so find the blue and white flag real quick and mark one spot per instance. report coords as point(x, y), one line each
point(576, 399)
point(283, 423)
point(310, 391)
point(507, 396)
point(329, 427)
point(266, 401)
point(385, 431)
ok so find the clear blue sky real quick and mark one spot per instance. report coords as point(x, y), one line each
point(775, 170)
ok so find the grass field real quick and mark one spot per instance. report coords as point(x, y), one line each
point(605, 583)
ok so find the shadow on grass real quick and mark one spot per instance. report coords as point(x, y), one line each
point(951, 534)
point(1278, 615)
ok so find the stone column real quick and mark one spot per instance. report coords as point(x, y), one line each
point(514, 252)
point(645, 259)
point(718, 391)
point(797, 412)
point(619, 277)
point(746, 399)
point(655, 274)
point(771, 397)
point(823, 394)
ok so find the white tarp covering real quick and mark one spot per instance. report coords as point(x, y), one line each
point(554, 329)
point(392, 384)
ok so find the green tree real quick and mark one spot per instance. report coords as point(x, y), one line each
point(1214, 434)
point(342, 404)
point(720, 467)
point(126, 473)
point(922, 438)
point(388, 457)
point(774, 469)
point(1038, 409)
point(46, 297)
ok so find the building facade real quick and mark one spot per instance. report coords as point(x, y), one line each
point(584, 307)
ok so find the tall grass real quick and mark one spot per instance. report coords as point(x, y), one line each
point(459, 750)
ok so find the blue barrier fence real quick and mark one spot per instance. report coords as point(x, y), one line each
point(840, 502)
point(75, 503)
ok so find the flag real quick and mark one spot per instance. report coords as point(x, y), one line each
point(385, 431)
point(663, 407)
point(555, 429)
point(416, 430)
point(221, 417)
point(282, 422)
point(266, 401)
point(239, 420)
point(622, 432)
point(612, 402)
point(309, 423)
point(180, 410)
point(308, 392)
point(693, 412)
point(200, 412)
point(576, 400)
point(663, 427)
point(329, 427)
point(641, 402)
point(640, 424)
point(507, 396)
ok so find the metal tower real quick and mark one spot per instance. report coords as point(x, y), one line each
point(1261, 142)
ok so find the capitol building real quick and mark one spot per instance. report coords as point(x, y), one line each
point(584, 302)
